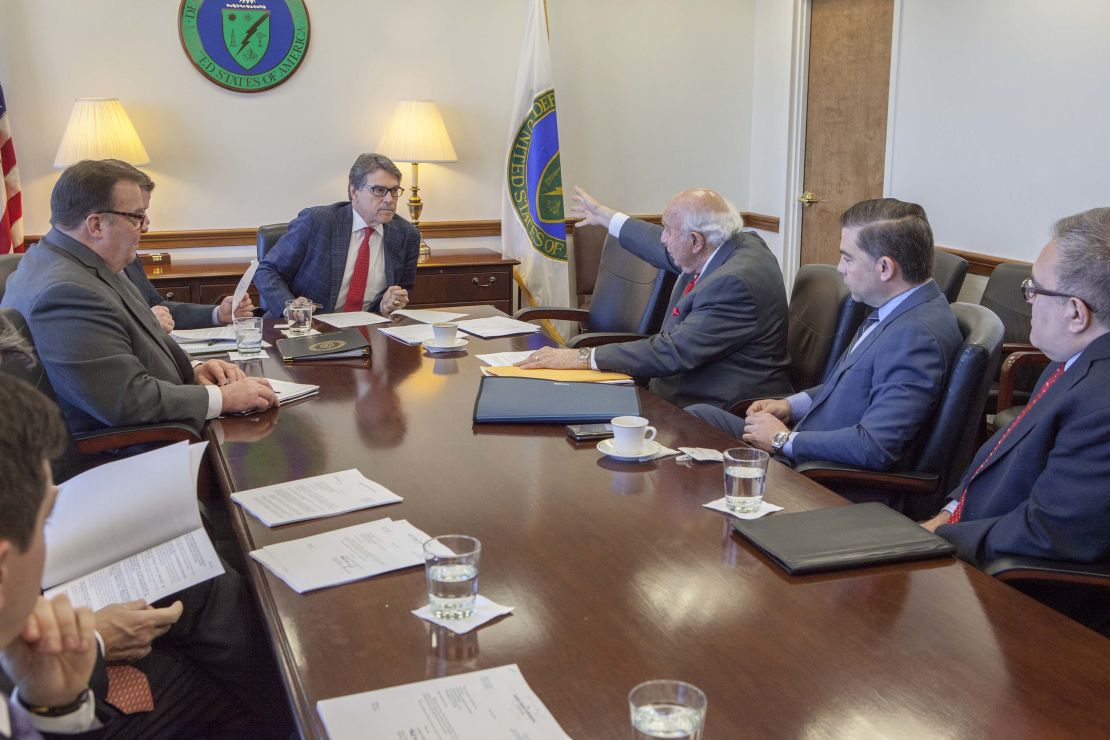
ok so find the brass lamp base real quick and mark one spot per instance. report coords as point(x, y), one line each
point(415, 207)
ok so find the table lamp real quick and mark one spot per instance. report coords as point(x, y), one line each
point(415, 133)
point(100, 129)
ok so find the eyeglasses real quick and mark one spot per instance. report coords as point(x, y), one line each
point(381, 190)
point(1030, 289)
point(139, 217)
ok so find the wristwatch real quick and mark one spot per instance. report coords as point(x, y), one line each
point(584, 355)
point(779, 440)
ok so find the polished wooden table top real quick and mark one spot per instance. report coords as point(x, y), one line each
point(619, 575)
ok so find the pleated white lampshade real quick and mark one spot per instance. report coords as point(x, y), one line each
point(415, 133)
point(99, 128)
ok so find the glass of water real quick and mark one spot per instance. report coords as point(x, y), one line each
point(667, 709)
point(248, 335)
point(451, 566)
point(745, 478)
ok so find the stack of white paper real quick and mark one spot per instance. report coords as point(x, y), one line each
point(206, 341)
point(287, 391)
point(351, 318)
point(345, 555)
point(493, 703)
point(496, 326)
point(428, 316)
point(504, 359)
point(129, 529)
point(312, 498)
point(412, 334)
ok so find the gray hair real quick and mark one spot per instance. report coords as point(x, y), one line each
point(367, 164)
point(1083, 244)
point(708, 213)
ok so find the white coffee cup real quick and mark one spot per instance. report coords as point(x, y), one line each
point(630, 433)
point(445, 332)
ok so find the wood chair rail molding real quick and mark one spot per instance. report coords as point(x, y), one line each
point(185, 239)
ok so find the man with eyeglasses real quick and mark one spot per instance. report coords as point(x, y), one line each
point(107, 357)
point(355, 255)
point(1039, 486)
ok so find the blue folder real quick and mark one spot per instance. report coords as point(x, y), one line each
point(530, 401)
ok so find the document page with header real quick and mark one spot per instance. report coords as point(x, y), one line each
point(130, 529)
point(312, 498)
point(483, 705)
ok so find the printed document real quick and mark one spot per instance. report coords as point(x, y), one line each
point(496, 326)
point(350, 318)
point(491, 704)
point(129, 529)
point(504, 359)
point(428, 316)
point(244, 283)
point(412, 334)
point(312, 498)
point(287, 391)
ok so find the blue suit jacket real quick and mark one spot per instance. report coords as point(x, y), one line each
point(1046, 492)
point(310, 258)
point(728, 341)
point(870, 410)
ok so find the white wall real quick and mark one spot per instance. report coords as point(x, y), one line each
point(653, 96)
point(1002, 118)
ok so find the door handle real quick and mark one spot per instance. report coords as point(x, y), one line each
point(807, 199)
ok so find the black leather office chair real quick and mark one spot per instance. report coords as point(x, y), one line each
point(949, 271)
point(588, 243)
point(1079, 590)
point(823, 319)
point(268, 236)
point(629, 300)
point(1022, 362)
point(9, 263)
point(950, 438)
point(86, 449)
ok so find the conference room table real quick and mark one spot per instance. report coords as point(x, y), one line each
point(618, 574)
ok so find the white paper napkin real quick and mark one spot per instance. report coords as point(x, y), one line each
point(235, 356)
point(764, 509)
point(484, 611)
point(308, 333)
point(700, 454)
point(663, 452)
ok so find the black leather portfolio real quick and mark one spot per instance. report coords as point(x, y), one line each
point(332, 345)
point(841, 537)
point(531, 401)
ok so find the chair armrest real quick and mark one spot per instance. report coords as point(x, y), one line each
point(1008, 348)
point(535, 313)
point(825, 473)
point(1007, 374)
point(595, 339)
point(1016, 568)
point(102, 440)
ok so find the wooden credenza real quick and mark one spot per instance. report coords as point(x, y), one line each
point(457, 278)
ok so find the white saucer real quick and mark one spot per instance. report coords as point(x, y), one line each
point(431, 346)
point(648, 451)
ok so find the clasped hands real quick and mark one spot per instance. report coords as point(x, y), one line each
point(766, 418)
point(239, 392)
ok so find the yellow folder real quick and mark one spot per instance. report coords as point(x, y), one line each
point(569, 376)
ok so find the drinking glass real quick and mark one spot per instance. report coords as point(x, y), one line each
point(451, 566)
point(667, 709)
point(745, 479)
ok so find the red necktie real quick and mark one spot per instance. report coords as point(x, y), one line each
point(963, 496)
point(129, 689)
point(685, 291)
point(356, 291)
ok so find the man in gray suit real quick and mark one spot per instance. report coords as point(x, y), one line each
point(724, 335)
point(871, 409)
point(106, 355)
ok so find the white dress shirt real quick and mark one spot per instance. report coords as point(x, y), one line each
point(375, 280)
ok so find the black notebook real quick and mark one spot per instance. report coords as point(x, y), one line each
point(332, 345)
point(533, 401)
point(841, 537)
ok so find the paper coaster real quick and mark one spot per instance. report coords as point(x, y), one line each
point(764, 509)
point(484, 611)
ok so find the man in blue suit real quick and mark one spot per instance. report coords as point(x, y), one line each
point(349, 256)
point(1039, 487)
point(873, 405)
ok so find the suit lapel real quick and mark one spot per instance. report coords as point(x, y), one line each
point(391, 247)
point(340, 245)
point(684, 279)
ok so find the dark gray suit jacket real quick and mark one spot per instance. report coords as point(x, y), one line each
point(309, 260)
point(185, 315)
point(728, 342)
point(107, 358)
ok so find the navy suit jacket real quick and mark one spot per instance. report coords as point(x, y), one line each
point(728, 341)
point(185, 315)
point(1046, 492)
point(871, 409)
point(309, 260)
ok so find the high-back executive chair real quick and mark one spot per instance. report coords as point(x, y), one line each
point(629, 300)
point(588, 241)
point(86, 449)
point(949, 272)
point(951, 436)
point(268, 236)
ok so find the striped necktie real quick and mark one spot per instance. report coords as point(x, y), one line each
point(356, 291)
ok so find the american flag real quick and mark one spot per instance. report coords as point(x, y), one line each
point(11, 219)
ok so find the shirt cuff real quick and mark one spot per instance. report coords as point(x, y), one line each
point(81, 719)
point(788, 448)
point(950, 507)
point(593, 361)
point(216, 315)
point(215, 402)
point(616, 223)
point(800, 404)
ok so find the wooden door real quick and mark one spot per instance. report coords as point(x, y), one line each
point(846, 116)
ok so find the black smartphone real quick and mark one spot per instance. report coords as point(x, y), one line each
point(581, 432)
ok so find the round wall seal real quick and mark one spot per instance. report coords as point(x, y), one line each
point(536, 181)
point(244, 45)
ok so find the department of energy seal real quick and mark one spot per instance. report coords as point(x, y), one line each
point(244, 45)
point(328, 345)
point(535, 179)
